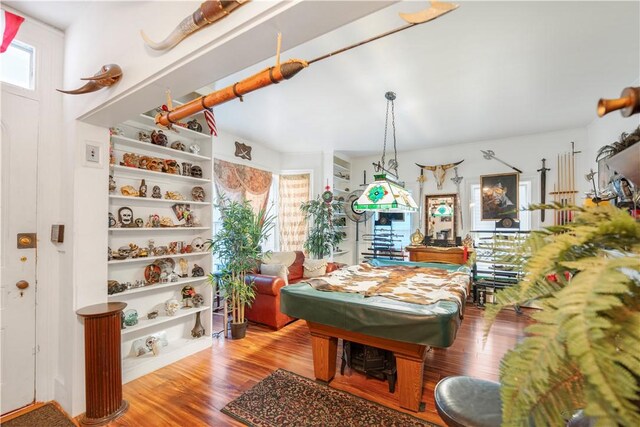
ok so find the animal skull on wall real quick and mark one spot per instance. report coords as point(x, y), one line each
point(440, 171)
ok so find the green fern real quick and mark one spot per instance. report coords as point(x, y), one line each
point(582, 352)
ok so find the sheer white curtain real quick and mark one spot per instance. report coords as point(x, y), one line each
point(293, 190)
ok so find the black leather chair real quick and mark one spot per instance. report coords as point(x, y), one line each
point(470, 402)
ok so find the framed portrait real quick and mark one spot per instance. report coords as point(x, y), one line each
point(499, 196)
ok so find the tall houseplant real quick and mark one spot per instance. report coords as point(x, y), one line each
point(238, 247)
point(582, 352)
point(323, 235)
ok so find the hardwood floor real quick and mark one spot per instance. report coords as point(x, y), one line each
point(192, 391)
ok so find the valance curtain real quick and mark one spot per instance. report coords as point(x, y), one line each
point(293, 190)
point(239, 182)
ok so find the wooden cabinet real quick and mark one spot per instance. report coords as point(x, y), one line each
point(453, 255)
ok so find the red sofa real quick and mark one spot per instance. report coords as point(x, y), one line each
point(266, 307)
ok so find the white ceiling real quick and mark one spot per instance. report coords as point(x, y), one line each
point(58, 14)
point(487, 70)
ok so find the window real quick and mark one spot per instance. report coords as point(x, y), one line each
point(17, 65)
point(524, 200)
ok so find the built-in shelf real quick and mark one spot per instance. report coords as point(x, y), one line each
point(341, 179)
point(125, 170)
point(151, 258)
point(147, 122)
point(157, 286)
point(146, 200)
point(341, 168)
point(159, 228)
point(134, 367)
point(120, 140)
point(144, 323)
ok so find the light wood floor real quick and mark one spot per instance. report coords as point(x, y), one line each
point(192, 391)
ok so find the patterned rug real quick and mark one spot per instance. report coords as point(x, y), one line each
point(287, 399)
point(47, 415)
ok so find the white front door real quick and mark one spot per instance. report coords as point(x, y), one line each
point(18, 161)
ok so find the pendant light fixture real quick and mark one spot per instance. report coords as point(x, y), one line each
point(385, 194)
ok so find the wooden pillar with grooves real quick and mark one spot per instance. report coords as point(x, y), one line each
point(103, 366)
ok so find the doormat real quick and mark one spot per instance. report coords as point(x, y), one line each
point(285, 398)
point(47, 415)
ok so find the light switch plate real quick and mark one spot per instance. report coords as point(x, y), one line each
point(92, 153)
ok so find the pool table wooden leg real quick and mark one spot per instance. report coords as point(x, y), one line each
point(410, 372)
point(325, 351)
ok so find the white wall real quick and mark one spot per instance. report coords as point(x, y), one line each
point(523, 152)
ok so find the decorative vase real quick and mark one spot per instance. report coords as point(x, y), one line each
point(198, 329)
point(239, 330)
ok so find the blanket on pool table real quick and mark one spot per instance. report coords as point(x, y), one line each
point(414, 284)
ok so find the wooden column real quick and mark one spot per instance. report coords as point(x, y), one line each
point(103, 366)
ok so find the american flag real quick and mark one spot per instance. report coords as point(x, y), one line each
point(211, 121)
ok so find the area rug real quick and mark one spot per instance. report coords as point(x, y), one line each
point(287, 399)
point(47, 415)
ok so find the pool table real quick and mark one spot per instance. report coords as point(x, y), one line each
point(406, 329)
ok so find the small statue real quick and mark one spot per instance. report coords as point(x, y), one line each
point(194, 125)
point(112, 184)
point(194, 148)
point(142, 191)
point(197, 271)
point(156, 193)
point(197, 300)
point(112, 220)
point(197, 194)
point(144, 137)
point(187, 293)
point(129, 191)
point(186, 169)
point(196, 171)
point(139, 222)
point(184, 267)
point(177, 145)
point(125, 217)
point(159, 138)
point(152, 314)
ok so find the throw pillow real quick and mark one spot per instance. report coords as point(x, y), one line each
point(277, 270)
point(315, 267)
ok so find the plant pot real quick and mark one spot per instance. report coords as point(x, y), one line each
point(238, 330)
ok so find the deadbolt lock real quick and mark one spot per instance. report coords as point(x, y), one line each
point(26, 240)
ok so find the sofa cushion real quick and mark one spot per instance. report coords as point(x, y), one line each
point(284, 258)
point(315, 268)
point(277, 270)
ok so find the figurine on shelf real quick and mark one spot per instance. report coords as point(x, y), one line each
point(186, 168)
point(156, 193)
point(197, 300)
point(197, 193)
point(198, 329)
point(142, 191)
point(187, 293)
point(139, 222)
point(198, 244)
point(125, 217)
point(177, 145)
point(129, 191)
point(112, 220)
point(131, 317)
point(194, 148)
point(116, 131)
point(197, 271)
point(154, 221)
point(165, 221)
point(152, 314)
point(130, 160)
point(153, 345)
point(144, 136)
point(194, 125)
point(112, 184)
point(196, 171)
point(184, 267)
point(171, 306)
point(173, 195)
point(159, 138)
point(171, 166)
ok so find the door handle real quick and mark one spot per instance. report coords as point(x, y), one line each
point(22, 285)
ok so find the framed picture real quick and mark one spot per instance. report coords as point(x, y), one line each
point(499, 196)
point(179, 209)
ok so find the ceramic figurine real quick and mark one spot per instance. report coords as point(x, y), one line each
point(171, 306)
point(165, 221)
point(143, 252)
point(196, 171)
point(194, 125)
point(129, 191)
point(197, 300)
point(186, 169)
point(116, 131)
point(156, 192)
point(144, 136)
point(173, 248)
point(197, 193)
point(187, 293)
point(184, 267)
point(198, 244)
point(139, 222)
point(112, 220)
point(197, 271)
point(125, 217)
point(109, 254)
point(171, 166)
point(153, 345)
point(194, 148)
point(112, 184)
point(173, 195)
point(142, 191)
point(198, 329)
point(177, 145)
point(159, 138)
point(152, 314)
point(130, 160)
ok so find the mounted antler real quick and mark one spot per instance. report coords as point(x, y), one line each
point(209, 12)
point(108, 75)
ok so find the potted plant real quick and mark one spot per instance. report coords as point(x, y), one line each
point(323, 235)
point(582, 351)
point(238, 247)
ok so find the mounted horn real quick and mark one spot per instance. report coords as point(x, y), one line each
point(108, 75)
point(209, 12)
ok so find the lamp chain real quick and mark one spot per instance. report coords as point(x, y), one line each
point(395, 150)
point(384, 146)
